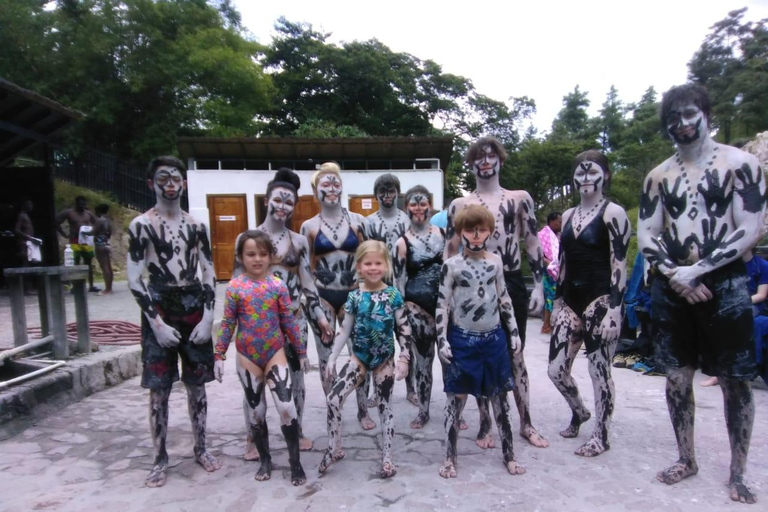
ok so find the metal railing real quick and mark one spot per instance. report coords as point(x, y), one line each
point(96, 170)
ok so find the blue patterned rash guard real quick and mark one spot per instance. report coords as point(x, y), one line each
point(374, 332)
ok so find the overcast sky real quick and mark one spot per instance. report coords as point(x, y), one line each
point(542, 49)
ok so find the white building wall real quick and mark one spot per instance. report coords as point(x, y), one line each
point(201, 183)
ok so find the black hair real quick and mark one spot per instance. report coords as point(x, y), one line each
point(81, 198)
point(101, 209)
point(170, 161)
point(687, 93)
point(386, 180)
point(261, 238)
point(553, 216)
point(286, 178)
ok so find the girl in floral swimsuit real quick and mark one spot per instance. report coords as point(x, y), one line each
point(259, 306)
point(372, 311)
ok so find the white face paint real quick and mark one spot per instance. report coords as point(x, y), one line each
point(589, 178)
point(686, 123)
point(168, 183)
point(488, 163)
point(475, 239)
point(329, 189)
point(418, 208)
point(280, 204)
point(387, 196)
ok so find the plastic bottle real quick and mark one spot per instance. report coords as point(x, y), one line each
point(69, 256)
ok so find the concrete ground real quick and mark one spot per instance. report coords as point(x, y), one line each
point(94, 455)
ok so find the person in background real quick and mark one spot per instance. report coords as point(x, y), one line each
point(549, 238)
point(102, 232)
point(79, 220)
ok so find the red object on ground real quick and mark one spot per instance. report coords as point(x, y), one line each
point(103, 332)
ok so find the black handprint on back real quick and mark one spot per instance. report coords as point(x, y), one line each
point(674, 203)
point(750, 193)
point(648, 205)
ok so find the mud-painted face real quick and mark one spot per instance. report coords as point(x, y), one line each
point(685, 123)
point(329, 189)
point(168, 183)
point(475, 239)
point(589, 178)
point(488, 163)
point(418, 208)
point(281, 203)
point(387, 196)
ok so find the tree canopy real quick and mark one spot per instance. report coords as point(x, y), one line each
point(146, 71)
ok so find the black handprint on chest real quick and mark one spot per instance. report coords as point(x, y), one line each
point(648, 205)
point(674, 201)
point(717, 197)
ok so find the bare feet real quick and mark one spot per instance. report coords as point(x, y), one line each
point(514, 468)
point(591, 448)
point(367, 423)
point(740, 491)
point(104, 292)
point(573, 429)
point(413, 398)
point(420, 421)
point(305, 444)
point(534, 437)
point(208, 461)
point(251, 453)
point(485, 441)
point(463, 424)
point(265, 471)
point(448, 470)
point(328, 459)
point(677, 472)
point(712, 381)
point(388, 470)
point(297, 475)
point(157, 476)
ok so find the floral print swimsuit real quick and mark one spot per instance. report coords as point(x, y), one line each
point(261, 312)
point(373, 336)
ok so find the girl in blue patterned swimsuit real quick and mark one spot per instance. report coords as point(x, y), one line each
point(371, 313)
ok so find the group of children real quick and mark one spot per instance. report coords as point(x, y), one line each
point(474, 349)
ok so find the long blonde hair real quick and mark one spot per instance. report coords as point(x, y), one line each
point(375, 247)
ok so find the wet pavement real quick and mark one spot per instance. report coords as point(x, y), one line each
point(95, 454)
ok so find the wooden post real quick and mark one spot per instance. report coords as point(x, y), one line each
point(43, 299)
point(19, 314)
point(58, 318)
point(81, 313)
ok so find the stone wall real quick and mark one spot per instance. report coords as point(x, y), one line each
point(24, 403)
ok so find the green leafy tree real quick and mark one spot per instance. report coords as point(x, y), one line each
point(143, 71)
point(732, 63)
